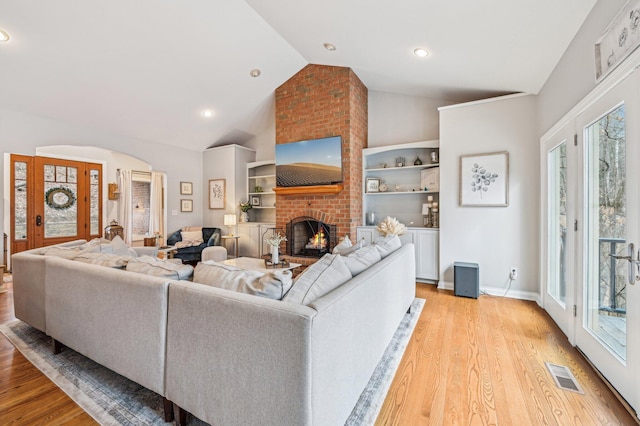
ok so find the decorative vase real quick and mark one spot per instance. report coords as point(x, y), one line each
point(244, 217)
point(274, 255)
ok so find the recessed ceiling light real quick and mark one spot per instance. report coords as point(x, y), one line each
point(4, 36)
point(423, 53)
point(255, 72)
point(329, 46)
point(207, 113)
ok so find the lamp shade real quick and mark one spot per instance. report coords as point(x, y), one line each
point(229, 219)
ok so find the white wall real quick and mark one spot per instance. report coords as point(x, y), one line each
point(23, 134)
point(496, 238)
point(574, 76)
point(395, 119)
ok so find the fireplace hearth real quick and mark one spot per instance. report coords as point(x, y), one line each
point(308, 237)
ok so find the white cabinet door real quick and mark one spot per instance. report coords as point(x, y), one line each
point(369, 234)
point(248, 242)
point(426, 242)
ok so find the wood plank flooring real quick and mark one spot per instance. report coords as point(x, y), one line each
point(469, 362)
point(481, 362)
point(28, 397)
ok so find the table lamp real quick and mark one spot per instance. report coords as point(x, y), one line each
point(230, 221)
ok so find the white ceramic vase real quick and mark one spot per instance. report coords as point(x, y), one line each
point(274, 254)
point(244, 217)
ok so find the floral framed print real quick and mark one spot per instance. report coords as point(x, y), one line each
point(484, 180)
point(186, 188)
point(216, 193)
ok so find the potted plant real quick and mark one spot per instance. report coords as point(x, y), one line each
point(274, 241)
point(244, 208)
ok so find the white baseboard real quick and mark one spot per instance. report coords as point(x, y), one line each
point(497, 291)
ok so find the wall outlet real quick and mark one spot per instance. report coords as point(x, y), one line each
point(514, 273)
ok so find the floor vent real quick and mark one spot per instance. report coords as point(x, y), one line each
point(564, 378)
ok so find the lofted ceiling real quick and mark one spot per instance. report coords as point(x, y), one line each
point(146, 69)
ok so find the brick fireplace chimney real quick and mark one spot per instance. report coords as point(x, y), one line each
point(322, 101)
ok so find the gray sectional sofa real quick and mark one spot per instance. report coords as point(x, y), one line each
point(226, 357)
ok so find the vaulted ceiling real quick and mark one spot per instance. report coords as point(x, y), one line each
point(146, 69)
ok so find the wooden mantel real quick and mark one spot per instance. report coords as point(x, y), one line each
point(306, 190)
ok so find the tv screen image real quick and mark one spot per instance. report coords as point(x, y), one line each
point(309, 162)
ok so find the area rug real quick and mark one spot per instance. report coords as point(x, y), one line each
point(114, 400)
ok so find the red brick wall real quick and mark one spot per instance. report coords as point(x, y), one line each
point(321, 101)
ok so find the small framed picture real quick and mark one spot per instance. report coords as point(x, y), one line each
point(373, 185)
point(186, 188)
point(255, 201)
point(186, 206)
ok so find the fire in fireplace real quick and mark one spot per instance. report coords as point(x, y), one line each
point(307, 237)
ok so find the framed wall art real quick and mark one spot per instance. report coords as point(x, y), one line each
point(619, 39)
point(373, 185)
point(186, 206)
point(255, 201)
point(186, 188)
point(484, 179)
point(216, 193)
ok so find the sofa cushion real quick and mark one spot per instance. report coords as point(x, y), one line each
point(190, 238)
point(387, 245)
point(109, 260)
point(361, 259)
point(149, 265)
point(273, 284)
point(319, 279)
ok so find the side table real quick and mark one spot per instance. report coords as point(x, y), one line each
point(166, 252)
point(233, 238)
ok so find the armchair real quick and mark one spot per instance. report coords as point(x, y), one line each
point(210, 236)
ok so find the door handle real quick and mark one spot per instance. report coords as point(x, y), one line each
point(632, 277)
point(38, 220)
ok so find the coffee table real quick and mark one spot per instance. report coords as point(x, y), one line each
point(253, 264)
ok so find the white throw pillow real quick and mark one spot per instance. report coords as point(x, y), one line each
point(273, 284)
point(343, 246)
point(195, 236)
point(150, 265)
point(361, 259)
point(387, 245)
point(319, 279)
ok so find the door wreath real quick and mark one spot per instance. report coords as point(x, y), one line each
point(60, 198)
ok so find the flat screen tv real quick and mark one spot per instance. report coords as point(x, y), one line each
point(310, 162)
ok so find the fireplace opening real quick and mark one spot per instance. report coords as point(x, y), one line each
point(307, 237)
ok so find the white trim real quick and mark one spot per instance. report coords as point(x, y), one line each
point(499, 291)
point(484, 101)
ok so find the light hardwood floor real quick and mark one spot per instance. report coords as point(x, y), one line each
point(481, 362)
point(469, 362)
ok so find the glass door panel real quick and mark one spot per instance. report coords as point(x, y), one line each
point(557, 211)
point(60, 201)
point(605, 214)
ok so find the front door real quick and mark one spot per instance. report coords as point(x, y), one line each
point(607, 328)
point(54, 201)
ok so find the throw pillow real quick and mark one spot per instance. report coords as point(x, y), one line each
point(387, 245)
point(273, 284)
point(193, 236)
point(343, 246)
point(361, 259)
point(150, 265)
point(319, 279)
